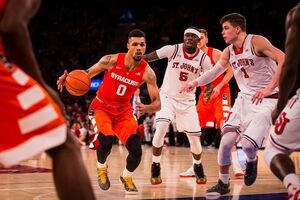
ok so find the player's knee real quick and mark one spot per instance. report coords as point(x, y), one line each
point(105, 142)
point(224, 153)
point(134, 146)
point(160, 132)
point(249, 148)
point(195, 144)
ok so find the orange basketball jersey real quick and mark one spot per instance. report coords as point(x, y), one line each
point(119, 84)
point(213, 62)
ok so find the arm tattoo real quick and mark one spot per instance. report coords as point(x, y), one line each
point(105, 60)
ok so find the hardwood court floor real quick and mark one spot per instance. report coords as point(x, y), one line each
point(32, 180)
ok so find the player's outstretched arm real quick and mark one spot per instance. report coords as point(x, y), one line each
point(151, 57)
point(105, 63)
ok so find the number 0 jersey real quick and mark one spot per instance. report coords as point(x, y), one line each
point(119, 84)
point(251, 72)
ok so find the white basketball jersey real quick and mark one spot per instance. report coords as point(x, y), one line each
point(251, 72)
point(181, 70)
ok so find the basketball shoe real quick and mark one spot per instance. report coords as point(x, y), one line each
point(155, 174)
point(103, 180)
point(129, 186)
point(219, 189)
point(251, 172)
point(200, 176)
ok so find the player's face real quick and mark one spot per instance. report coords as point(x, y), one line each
point(203, 41)
point(190, 41)
point(136, 47)
point(229, 33)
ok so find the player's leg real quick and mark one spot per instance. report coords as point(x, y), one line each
point(255, 134)
point(126, 132)
point(283, 141)
point(133, 145)
point(230, 133)
point(187, 121)
point(102, 123)
point(69, 172)
point(157, 145)
point(224, 160)
point(162, 119)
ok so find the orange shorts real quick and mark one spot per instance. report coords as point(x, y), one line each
point(214, 112)
point(108, 120)
point(31, 122)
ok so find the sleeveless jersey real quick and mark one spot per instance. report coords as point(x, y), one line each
point(213, 62)
point(181, 69)
point(119, 84)
point(251, 72)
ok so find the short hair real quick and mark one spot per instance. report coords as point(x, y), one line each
point(204, 31)
point(137, 33)
point(235, 19)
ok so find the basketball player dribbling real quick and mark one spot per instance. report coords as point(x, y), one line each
point(111, 112)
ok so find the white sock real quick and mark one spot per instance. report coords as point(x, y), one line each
point(127, 173)
point(156, 159)
point(291, 179)
point(251, 159)
point(224, 177)
point(197, 162)
point(100, 165)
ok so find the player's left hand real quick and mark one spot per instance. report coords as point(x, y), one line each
point(188, 87)
point(140, 109)
point(260, 95)
point(216, 91)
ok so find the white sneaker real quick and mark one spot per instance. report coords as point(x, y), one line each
point(188, 173)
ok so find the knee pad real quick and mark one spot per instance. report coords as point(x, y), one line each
point(249, 147)
point(224, 153)
point(160, 132)
point(195, 144)
point(105, 145)
point(134, 148)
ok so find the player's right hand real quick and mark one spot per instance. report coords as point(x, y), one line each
point(275, 115)
point(188, 87)
point(61, 81)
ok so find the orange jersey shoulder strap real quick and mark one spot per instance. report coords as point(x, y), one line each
point(210, 55)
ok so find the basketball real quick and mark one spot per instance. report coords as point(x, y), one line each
point(78, 82)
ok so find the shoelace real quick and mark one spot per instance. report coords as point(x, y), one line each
point(129, 182)
point(102, 174)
